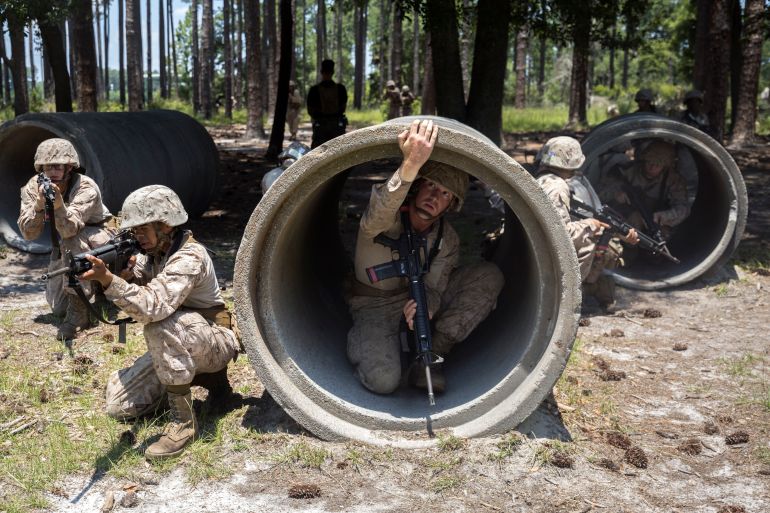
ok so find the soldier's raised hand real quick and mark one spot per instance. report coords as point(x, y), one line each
point(416, 145)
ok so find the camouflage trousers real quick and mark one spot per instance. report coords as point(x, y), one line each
point(57, 293)
point(597, 283)
point(179, 347)
point(292, 118)
point(374, 346)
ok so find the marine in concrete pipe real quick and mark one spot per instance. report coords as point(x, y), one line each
point(120, 151)
point(294, 320)
point(717, 193)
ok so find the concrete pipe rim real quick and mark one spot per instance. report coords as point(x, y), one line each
point(647, 126)
point(315, 408)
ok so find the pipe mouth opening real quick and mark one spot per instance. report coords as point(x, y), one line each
point(298, 252)
point(709, 233)
point(17, 166)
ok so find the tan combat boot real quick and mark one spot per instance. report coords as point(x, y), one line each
point(77, 318)
point(182, 429)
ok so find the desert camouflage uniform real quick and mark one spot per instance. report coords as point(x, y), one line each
point(292, 114)
point(180, 341)
point(393, 97)
point(459, 297)
point(407, 99)
point(80, 224)
point(667, 193)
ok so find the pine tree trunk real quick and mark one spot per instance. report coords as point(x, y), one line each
point(18, 64)
point(465, 44)
point(228, 50)
point(284, 71)
point(338, 21)
point(6, 78)
point(196, 60)
point(86, 56)
point(541, 70)
point(254, 124)
point(384, 43)
point(107, 50)
point(121, 54)
point(99, 69)
point(30, 39)
point(273, 54)
point(416, 53)
point(447, 70)
point(522, 41)
point(581, 38)
point(207, 57)
point(702, 23)
point(398, 45)
point(53, 41)
point(149, 52)
point(736, 57)
point(746, 115)
point(320, 33)
point(485, 98)
point(175, 63)
point(162, 50)
point(134, 55)
point(266, 59)
point(239, 54)
point(72, 58)
point(717, 79)
point(360, 36)
point(428, 104)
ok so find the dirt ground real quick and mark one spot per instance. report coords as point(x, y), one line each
point(664, 406)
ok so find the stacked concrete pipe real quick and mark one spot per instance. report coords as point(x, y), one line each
point(294, 321)
point(707, 239)
point(120, 151)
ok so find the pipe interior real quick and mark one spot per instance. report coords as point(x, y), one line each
point(314, 251)
point(697, 238)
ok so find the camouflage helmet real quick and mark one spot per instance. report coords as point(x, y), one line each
point(448, 177)
point(390, 84)
point(693, 95)
point(659, 152)
point(405, 89)
point(561, 153)
point(55, 151)
point(150, 204)
point(644, 95)
point(292, 83)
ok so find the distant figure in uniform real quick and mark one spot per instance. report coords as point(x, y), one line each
point(407, 99)
point(393, 97)
point(694, 114)
point(292, 114)
point(645, 101)
point(326, 103)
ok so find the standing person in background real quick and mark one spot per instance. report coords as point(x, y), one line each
point(292, 114)
point(407, 99)
point(393, 97)
point(326, 104)
point(645, 101)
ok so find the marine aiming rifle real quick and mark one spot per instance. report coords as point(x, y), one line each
point(605, 214)
point(413, 263)
point(50, 195)
point(115, 254)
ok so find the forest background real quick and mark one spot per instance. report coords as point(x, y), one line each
point(537, 65)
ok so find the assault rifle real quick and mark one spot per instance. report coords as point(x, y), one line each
point(635, 197)
point(605, 214)
point(413, 263)
point(50, 195)
point(48, 191)
point(120, 247)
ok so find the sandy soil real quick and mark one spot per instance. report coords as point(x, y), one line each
point(664, 407)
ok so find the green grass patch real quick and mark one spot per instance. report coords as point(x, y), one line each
point(450, 443)
point(304, 455)
point(507, 446)
point(548, 119)
point(364, 117)
point(740, 367)
point(445, 482)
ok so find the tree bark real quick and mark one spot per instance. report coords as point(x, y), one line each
point(702, 22)
point(134, 55)
point(447, 70)
point(149, 52)
point(99, 69)
point(428, 104)
point(228, 51)
point(397, 48)
point(271, 54)
point(207, 57)
point(106, 80)
point(384, 44)
point(86, 56)
point(18, 64)
point(30, 39)
point(522, 40)
point(6, 78)
point(196, 61)
point(736, 57)
point(239, 53)
point(162, 51)
point(465, 44)
point(360, 37)
point(284, 72)
point(485, 98)
point(254, 124)
point(73, 58)
point(581, 38)
point(416, 53)
point(746, 115)
point(53, 41)
point(717, 79)
point(339, 68)
point(121, 54)
point(320, 34)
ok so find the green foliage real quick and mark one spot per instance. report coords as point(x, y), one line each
point(545, 119)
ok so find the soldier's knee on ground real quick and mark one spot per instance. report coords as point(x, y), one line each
point(380, 380)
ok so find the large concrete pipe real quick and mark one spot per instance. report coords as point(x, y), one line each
point(291, 311)
point(120, 151)
point(708, 237)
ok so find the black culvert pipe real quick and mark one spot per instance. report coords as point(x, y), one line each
point(121, 151)
point(294, 321)
point(707, 238)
